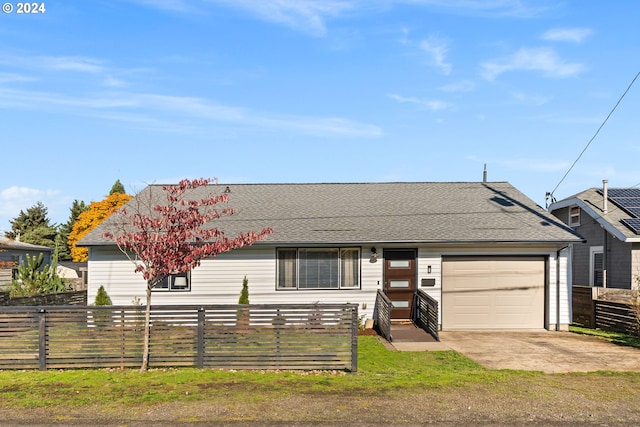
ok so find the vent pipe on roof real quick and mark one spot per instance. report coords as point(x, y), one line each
point(484, 173)
point(605, 196)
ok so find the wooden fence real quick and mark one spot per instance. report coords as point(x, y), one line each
point(63, 298)
point(606, 309)
point(583, 306)
point(616, 317)
point(293, 337)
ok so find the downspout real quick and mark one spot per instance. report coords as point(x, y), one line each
point(605, 209)
point(558, 287)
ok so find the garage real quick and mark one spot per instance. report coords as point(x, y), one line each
point(493, 292)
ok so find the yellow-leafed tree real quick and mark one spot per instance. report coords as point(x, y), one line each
point(89, 219)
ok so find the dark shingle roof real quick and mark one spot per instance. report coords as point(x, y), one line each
point(422, 212)
point(592, 200)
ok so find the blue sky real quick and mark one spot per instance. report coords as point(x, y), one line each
point(153, 91)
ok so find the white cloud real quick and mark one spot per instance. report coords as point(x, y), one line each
point(182, 6)
point(461, 86)
point(574, 35)
point(111, 81)
point(56, 63)
point(531, 99)
point(431, 104)
point(15, 198)
point(499, 8)
point(437, 49)
point(310, 16)
point(534, 59)
point(164, 112)
point(15, 78)
point(305, 15)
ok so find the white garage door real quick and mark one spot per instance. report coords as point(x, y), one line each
point(493, 293)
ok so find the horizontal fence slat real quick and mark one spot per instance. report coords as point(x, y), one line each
point(616, 317)
point(263, 336)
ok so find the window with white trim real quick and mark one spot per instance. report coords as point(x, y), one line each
point(574, 216)
point(318, 268)
point(596, 266)
point(180, 282)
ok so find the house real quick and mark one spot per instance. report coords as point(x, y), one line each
point(488, 254)
point(12, 253)
point(609, 220)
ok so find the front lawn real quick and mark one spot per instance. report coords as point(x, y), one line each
point(390, 387)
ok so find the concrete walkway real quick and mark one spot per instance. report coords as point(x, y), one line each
point(546, 351)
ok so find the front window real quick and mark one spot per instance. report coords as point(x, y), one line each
point(318, 268)
point(176, 282)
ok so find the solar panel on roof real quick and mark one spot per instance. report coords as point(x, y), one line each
point(626, 202)
point(623, 192)
point(629, 200)
point(633, 224)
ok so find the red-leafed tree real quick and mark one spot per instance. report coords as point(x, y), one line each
point(167, 230)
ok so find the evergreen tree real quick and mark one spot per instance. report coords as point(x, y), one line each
point(117, 188)
point(62, 242)
point(244, 294)
point(33, 227)
point(102, 298)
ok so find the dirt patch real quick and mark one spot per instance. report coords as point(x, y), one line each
point(538, 400)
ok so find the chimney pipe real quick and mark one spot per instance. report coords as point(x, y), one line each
point(484, 173)
point(605, 196)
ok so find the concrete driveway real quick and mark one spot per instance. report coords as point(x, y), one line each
point(546, 351)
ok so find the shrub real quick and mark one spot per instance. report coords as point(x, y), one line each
point(101, 297)
point(243, 315)
point(244, 294)
point(35, 279)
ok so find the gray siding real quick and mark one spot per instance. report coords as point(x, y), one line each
point(618, 257)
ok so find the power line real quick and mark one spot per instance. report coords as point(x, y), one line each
point(595, 135)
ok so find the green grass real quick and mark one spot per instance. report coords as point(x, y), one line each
point(379, 371)
point(614, 337)
point(389, 387)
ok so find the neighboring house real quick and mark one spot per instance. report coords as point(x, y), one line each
point(611, 226)
point(488, 254)
point(13, 252)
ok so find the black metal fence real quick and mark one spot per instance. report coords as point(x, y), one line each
point(425, 313)
point(288, 337)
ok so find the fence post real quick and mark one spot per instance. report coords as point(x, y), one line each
point(354, 339)
point(200, 343)
point(42, 339)
point(122, 339)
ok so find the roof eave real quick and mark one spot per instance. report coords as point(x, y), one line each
point(604, 223)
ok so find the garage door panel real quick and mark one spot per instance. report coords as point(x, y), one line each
point(493, 293)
